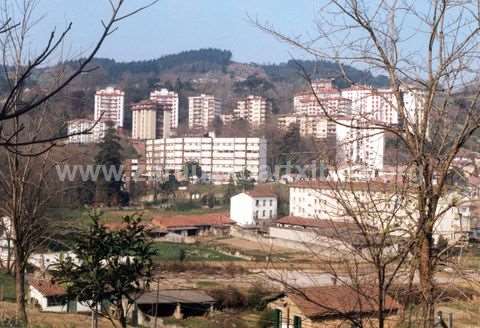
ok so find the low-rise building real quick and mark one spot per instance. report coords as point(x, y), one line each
point(165, 303)
point(219, 158)
point(51, 297)
point(210, 224)
point(253, 207)
point(378, 200)
point(331, 306)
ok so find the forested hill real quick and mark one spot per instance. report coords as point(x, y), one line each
point(214, 60)
point(210, 71)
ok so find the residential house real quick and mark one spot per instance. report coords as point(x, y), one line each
point(331, 306)
point(192, 226)
point(253, 207)
point(51, 297)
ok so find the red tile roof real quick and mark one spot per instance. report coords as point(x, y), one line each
point(317, 302)
point(374, 185)
point(47, 287)
point(176, 221)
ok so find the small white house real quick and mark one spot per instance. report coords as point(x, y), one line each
point(253, 207)
point(51, 297)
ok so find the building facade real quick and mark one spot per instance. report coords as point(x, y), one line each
point(150, 120)
point(167, 99)
point(253, 207)
point(202, 111)
point(373, 104)
point(109, 106)
point(316, 126)
point(253, 109)
point(377, 201)
point(75, 129)
point(219, 158)
point(325, 98)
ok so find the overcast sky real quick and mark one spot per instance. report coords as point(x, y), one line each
point(172, 26)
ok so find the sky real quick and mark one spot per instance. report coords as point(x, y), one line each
point(171, 26)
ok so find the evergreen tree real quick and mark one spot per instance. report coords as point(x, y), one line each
point(109, 160)
point(109, 266)
point(290, 145)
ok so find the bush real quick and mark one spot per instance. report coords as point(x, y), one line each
point(256, 297)
point(266, 319)
point(229, 298)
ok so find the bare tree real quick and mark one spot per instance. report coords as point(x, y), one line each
point(19, 65)
point(27, 142)
point(428, 51)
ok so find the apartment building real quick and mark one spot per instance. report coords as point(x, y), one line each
point(364, 146)
point(319, 127)
point(325, 97)
point(253, 109)
point(95, 135)
point(376, 200)
point(109, 106)
point(151, 120)
point(373, 104)
point(202, 110)
point(166, 98)
point(219, 158)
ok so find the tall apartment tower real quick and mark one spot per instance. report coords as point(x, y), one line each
point(254, 109)
point(109, 104)
point(325, 98)
point(151, 120)
point(202, 110)
point(168, 98)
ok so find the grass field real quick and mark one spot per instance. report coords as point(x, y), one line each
point(7, 283)
point(239, 320)
point(39, 319)
point(173, 252)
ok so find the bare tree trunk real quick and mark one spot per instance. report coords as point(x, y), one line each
point(121, 315)
point(20, 288)
point(426, 279)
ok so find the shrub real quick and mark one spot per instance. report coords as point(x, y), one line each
point(229, 298)
point(256, 297)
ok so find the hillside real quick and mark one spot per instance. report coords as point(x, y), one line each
point(201, 71)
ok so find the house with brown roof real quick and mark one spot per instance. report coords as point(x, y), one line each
point(331, 306)
point(197, 225)
point(165, 303)
point(253, 207)
point(52, 297)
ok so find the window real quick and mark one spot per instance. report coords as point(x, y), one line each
point(264, 202)
point(277, 319)
point(256, 214)
point(270, 214)
point(55, 301)
point(263, 213)
point(257, 202)
point(271, 202)
point(297, 322)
